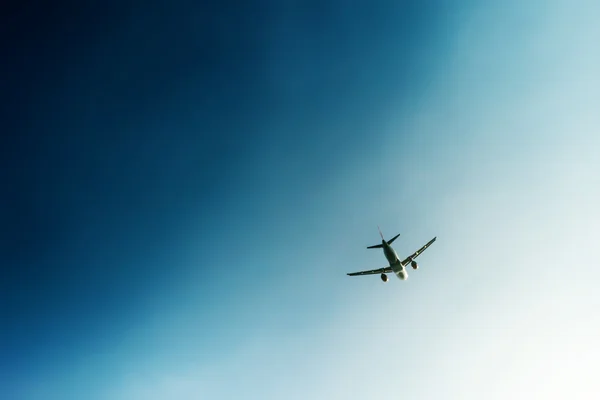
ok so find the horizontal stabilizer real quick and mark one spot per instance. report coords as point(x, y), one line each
point(379, 246)
point(392, 239)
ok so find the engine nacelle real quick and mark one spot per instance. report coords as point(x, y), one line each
point(414, 264)
point(384, 277)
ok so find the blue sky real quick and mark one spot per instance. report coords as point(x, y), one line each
point(187, 186)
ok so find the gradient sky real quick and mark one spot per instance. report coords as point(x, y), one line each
point(185, 187)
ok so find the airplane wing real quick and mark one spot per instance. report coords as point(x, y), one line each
point(373, 271)
point(416, 253)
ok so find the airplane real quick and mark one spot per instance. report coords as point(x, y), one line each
point(396, 266)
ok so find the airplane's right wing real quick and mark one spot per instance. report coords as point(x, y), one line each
point(416, 253)
point(371, 272)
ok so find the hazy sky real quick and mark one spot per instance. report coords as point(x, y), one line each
point(185, 187)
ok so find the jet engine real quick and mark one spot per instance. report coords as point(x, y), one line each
point(384, 277)
point(414, 264)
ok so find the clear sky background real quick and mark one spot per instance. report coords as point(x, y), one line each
point(184, 188)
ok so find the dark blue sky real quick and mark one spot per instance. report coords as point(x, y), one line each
point(185, 185)
point(125, 120)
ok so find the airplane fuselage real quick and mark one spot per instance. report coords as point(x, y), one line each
point(394, 261)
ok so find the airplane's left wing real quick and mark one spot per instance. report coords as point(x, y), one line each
point(373, 271)
point(416, 253)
